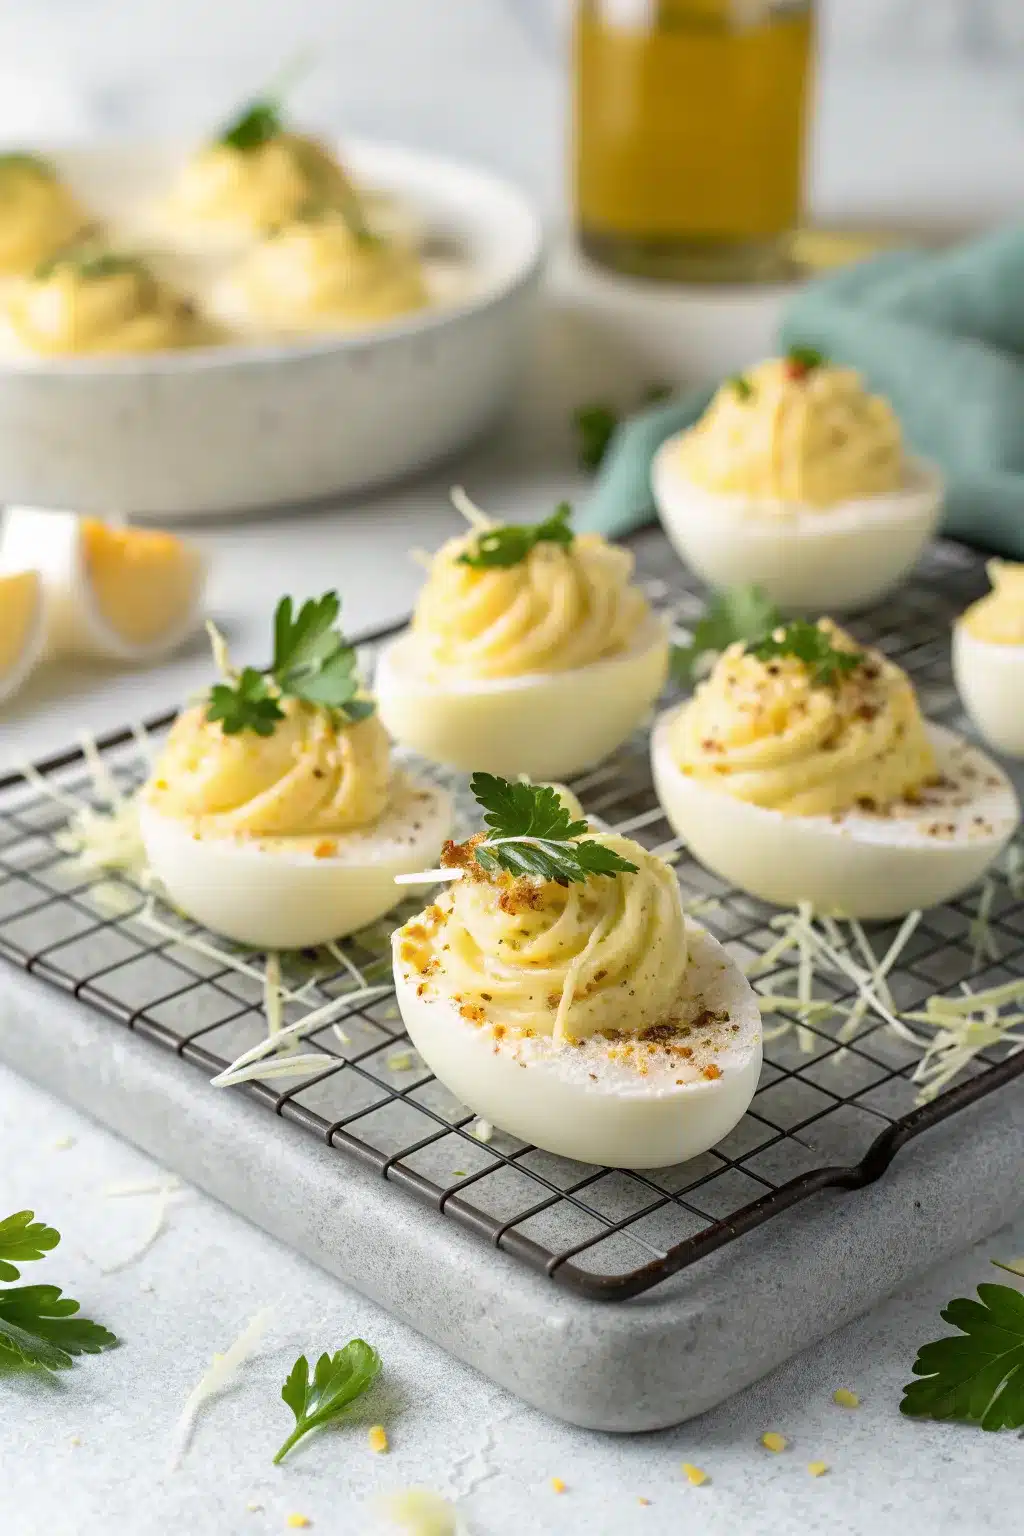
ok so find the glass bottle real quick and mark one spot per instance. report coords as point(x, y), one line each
point(689, 131)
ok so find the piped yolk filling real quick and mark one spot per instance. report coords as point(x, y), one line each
point(144, 582)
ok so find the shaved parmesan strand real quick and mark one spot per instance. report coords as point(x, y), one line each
point(286, 1066)
point(340, 1033)
point(120, 1191)
point(879, 973)
point(103, 780)
point(32, 776)
point(475, 517)
point(429, 876)
point(219, 647)
point(164, 1195)
point(1014, 869)
point(318, 1019)
point(272, 1000)
point(964, 1026)
point(983, 941)
point(145, 743)
point(482, 1130)
point(343, 959)
point(148, 918)
point(217, 1379)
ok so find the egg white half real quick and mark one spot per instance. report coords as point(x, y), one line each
point(271, 895)
point(830, 560)
point(587, 1101)
point(990, 681)
point(51, 543)
point(854, 864)
point(20, 653)
point(548, 725)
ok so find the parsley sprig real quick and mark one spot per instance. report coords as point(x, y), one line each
point(532, 832)
point(501, 548)
point(315, 1399)
point(977, 1374)
point(38, 1323)
point(810, 644)
point(739, 613)
point(312, 661)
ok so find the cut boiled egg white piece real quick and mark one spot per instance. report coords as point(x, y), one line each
point(837, 559)
point(296, 892)
point(22, 629)
point(857, 863)
point(547, 725)
point(110, 592)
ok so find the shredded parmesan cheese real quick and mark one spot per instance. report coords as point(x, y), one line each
point(482, 1130)
point(220, 1376)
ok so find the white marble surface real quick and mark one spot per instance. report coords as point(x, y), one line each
point(912, 121)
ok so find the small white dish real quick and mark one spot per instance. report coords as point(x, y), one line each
point(251, 425)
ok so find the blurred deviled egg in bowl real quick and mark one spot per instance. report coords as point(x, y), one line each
point(557, 989)
point(531, 651)
point(796, 480)
point(39, 214)
point(802, 770)
point(988, 659)
point(274, 815)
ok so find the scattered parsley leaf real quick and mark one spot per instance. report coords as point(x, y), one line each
point(23, 1238)
point(978, 1374)
point(800, 361)
point(257, 123)
point(38, 1327)
point(741, 387)
point(654, 394)
point(532, 832)
point(810, 644)
point(245, 705)
point(333, 1387)
point(90, 264)
point(18, 160)
point(501, 548)
point(739, 613)
point(595, 425)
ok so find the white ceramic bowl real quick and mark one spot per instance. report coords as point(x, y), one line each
point(807, 560)
point(244, 426)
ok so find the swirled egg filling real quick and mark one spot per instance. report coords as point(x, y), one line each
point(38, 214)
point(787, 433)
point(258, 187)
point(565, 961)
point(561, 607)
point(313, 775)
point(999, 616)
point(769, 732)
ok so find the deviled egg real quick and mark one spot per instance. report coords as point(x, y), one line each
point(796, 480)
point(320, 272)
point(85, 300)
point(116, 593)
point(22, 628)
point(38, 214)
point(255, 176)
point(274, 815)
point(802, 770)
point(988, 659)
point(561, 993)
point(531, 651)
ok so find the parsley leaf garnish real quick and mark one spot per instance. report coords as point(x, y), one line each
point(739, 613)
point(810, 644)
point(257, 123)
point(333, 1387)
point(500, 548)
point(23, 1238)
point(532, 832)
point(594, 426)
point(19, 160)
point(312, 661)
point(801, 361)
point(38, 1325)
point(741, 387)
point(978, 1374)
point(90, 264)
point(245, 705)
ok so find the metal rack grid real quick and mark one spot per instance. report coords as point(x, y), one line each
point(825, 1114)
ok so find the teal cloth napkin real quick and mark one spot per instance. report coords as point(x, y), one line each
point(942, 336)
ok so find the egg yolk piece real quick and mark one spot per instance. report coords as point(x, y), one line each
point(560, 608)
point(38, 214)
point(99, 305)
point(764, 731)
point(999, 617)
point(143, 582)
point(19, 608)
point(565, 961)
point(259, 188)
point(791, 435)
point(321, 273)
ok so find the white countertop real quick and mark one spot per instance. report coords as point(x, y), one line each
point(87, 1454)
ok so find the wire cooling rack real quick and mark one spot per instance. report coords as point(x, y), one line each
point(826, 1114)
